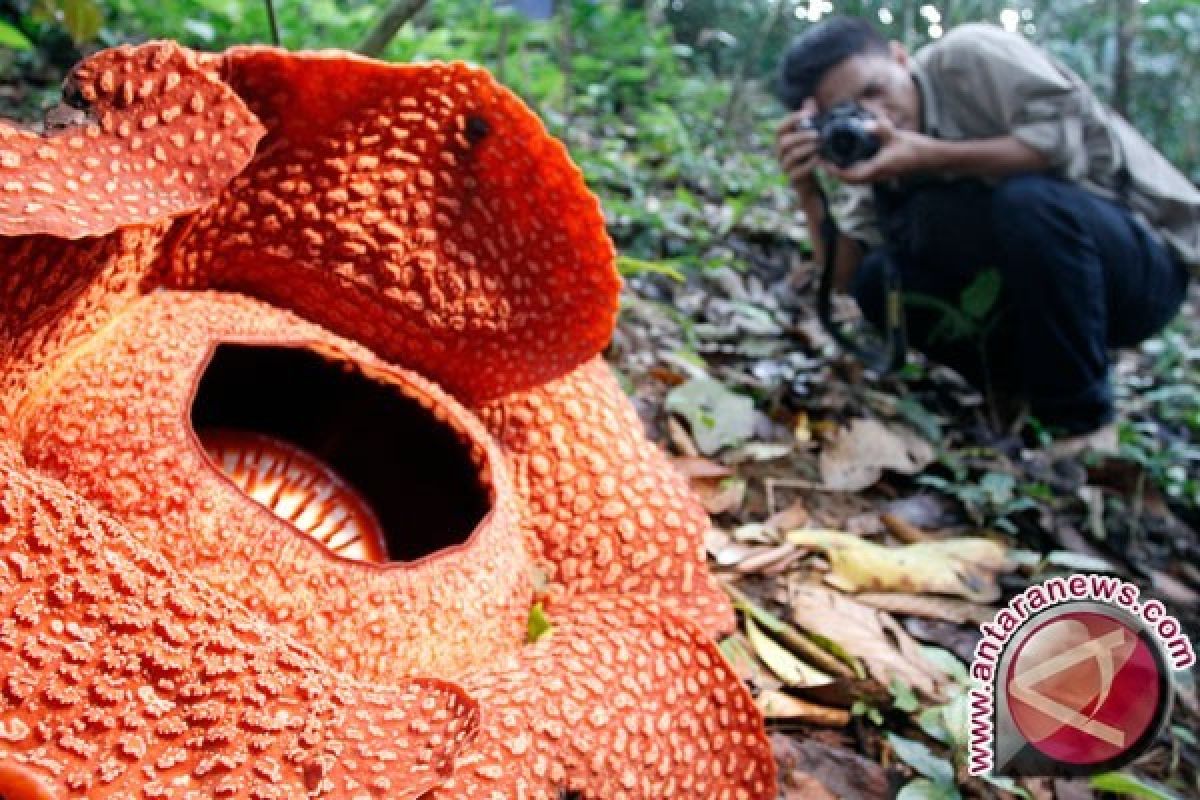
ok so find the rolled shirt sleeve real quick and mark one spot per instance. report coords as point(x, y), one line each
point(854, 211)
point(1006, 85)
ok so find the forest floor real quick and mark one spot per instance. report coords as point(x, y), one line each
point(821, 479)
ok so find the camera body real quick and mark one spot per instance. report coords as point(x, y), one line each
point(843, 136)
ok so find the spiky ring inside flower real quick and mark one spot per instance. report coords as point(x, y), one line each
point(300, 402)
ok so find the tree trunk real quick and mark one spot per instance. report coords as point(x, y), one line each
point(738, 86)
point(389, 22)
point(1126, 17)
point(565, 51)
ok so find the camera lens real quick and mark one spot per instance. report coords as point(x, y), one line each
point(843, 145)
point(844, 138)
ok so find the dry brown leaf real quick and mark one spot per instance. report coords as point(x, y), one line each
point(767, 558)
point(735, 553)
point(756, 533)
point(740, 654)
point(779, 705)
point(681, 439)
point(860, 453)
point(715, 540)
point(666, 375)
point(836, 767)
point(902, 529)
point(720, 495)
point(966, 567)
point(803, 786)
point(700, 467)
point(886, 649)
point(932, 606)
point(794, 516)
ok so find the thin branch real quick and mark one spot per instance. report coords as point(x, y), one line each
point(389, 22)
point(273, 22)
point(1127, 22)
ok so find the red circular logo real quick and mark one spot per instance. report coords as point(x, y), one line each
point(1084, 688)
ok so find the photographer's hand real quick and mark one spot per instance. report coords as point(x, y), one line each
point(900, 153)
point(903, 152)
point(796, 149)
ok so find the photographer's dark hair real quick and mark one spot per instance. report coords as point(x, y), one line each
point(819, 49)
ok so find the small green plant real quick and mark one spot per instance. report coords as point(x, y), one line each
point(1162, 431)
point(990, 500)
point(973, 320)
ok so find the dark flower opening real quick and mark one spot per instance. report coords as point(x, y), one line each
point(359, 452)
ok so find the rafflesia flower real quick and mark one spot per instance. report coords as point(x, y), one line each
point(301, 409)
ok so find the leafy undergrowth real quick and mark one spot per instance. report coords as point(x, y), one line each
point(866, 527)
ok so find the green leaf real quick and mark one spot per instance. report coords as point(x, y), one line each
point(861, 709)
point(998, 487)
point(781, 629)
point(931, 721)
point(81, 19)
point(200, 29)
point(12, 38)
point(903, 697)
point(1130, 785)
point(947, 723)
point(628, 265)
point(1080, 562)
point(538, 625)
point(948, 662)
point(920, 418)
point(922, 759)
point(956, 715)
point(952, 325)
point(717, 417)
point(981, 295)
point(786, 666)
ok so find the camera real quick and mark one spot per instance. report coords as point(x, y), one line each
point(844, 139)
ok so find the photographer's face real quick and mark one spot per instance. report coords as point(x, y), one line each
point(881, 84)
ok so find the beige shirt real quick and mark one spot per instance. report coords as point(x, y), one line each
point(980, 81)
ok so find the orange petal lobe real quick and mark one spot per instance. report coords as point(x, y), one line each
point(422, 210)
point(134, 454)
point(122, 677)
point(54, 294)
point(622, 699)
point(609, 512)
point(163, 137)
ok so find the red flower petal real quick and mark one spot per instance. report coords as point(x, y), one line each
point(421, 210)
point(121, 676)
point(622, 700)
point(54, 294)
point(609, 511)
point(114, 425)
point(424, 213)
point(166, 136)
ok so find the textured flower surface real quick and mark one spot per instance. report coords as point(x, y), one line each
point(301, 410)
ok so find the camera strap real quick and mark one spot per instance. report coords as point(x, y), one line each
point(891, 354)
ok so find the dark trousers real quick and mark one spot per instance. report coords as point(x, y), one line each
point(1079, 276)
